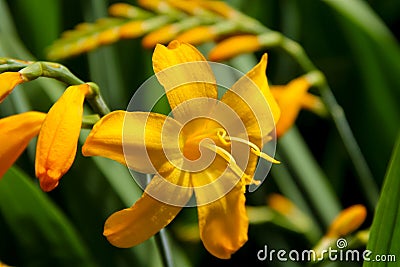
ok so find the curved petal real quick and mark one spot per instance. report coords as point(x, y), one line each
point(290, 100)
point(140, 140)
point(58, 137)
point(8, 80)
point(223, 223)
point(15, 133)
point(183, 82)
point(132, 226)
point(252, 100)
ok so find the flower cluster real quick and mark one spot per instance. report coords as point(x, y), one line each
point(225, 217)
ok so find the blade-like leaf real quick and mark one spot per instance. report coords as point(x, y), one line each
point(385, 230)
point(44, 236)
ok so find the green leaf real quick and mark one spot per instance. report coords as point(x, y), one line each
point(43, 235)
point(385, 231)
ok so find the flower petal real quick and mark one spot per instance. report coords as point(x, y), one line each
point(252, 100)
point(15, 133)
point(183, 82)
point(290, 100)
point(223, 223)
point(131, 226)
point(137, 139)
point(58, 137)
point(8, 80)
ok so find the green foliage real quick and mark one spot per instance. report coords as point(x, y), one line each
point(385, 231)
point(38, 226)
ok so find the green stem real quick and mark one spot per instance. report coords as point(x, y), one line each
point(88, 121)
point(164, 248)
point(61, 73)
point(96, 101)
point(366, 179)
point(9, 64)
point(50, 70)
point(162, 242)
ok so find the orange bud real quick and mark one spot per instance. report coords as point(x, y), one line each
point(58, 137)
point(234, 46)
point(347, 221)
point(8, 81)
point(190, 7)
point(122, 10)
point(132, 29)
point(281, 204)
point(162, 35)
point(220, 8)
point(152, 4)
point(15, 134)
point(109, 36)
point(198, 35)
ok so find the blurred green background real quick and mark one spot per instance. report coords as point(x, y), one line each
point(64, 228)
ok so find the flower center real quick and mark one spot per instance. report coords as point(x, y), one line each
point(216, 140)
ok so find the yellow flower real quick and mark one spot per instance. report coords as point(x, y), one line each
point(58, 137)
point(8, 80)
point(190, 153)
point(15, 133)
point(291, 98)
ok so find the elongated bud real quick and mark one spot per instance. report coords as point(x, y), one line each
point(347, 221)
point(58, 138)
point(202, 34)
point(127, 11)
point(132, 29)
point(162, 35)
point(198, 35)
point(220, 8)
point(234, 46)
point(281, 204)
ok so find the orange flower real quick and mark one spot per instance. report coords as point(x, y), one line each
point(8, 81)
point(175, 147)
point(58, 138)
point(291, 98)
point(15, 133)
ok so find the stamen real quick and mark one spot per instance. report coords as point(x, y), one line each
point(226, 156)
point(222, 135)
